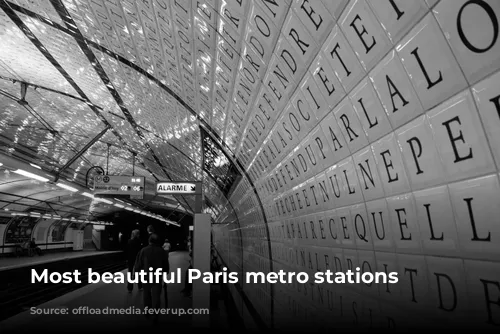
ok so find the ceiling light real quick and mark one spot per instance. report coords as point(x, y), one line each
point(119, 205)
point(31, 175)
point(35, 214)
point(64, 186)
point(36, 166)
point(129, 208)
point(88, 195)
point(1, 164)
point(104, 200)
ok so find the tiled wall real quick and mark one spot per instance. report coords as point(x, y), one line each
point(374, 143)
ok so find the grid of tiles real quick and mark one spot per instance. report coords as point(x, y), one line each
point(382, 155)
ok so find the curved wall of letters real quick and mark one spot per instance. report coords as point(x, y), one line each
point(373, 142)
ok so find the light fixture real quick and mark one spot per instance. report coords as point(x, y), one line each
point(1, 164)
point(129, 208)
point(103, 200)
point(64, 186)
point(119, 205)
point(88, 195)
point(31, 175)
point(36, 166)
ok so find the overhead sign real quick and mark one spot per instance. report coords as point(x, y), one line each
point(118, 185)
point(184, 188)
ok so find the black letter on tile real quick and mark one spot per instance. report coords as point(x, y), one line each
point(441, 306)
point(430, 223)
point(340, 59)
point(360, 34)
point(489, 301)
point(473, 223)
point(453, 140)
point(387, 165)
point(430, 84)
point(393, 90)
point(415, 156)
point(494, 22)
point(396, 9)
point(375, 121)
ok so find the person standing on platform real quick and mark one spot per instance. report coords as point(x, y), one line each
point(166, 248)
point(133, 248)
point(152, 257)
point(34, 247)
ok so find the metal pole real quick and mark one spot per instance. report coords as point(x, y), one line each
point(82, 151)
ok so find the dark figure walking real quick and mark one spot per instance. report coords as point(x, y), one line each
point(133, 248)
point(152, 256)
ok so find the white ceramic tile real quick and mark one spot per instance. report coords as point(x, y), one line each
point(300, 117)
point(388, 263)
point(368, 176)
point(350, 125)
point(342, 59)
point(360, 227)
point(335, 138)
point(323, 154)
point(380, 225)
point(344, 228)
point(414, 281)
point(472, 31)
point(460, 138)
point(315, 18)
point(327, 81)
point(487, 96)
point(275, 11)
point(368, 264)
point(390, 165)
point(448, 290)
point(298, 36)
point(350, 191)
point(436, 222)
point(278, 80)
point(311, 157)
point(430, 64)
point(398, 16)
point(404, 223)
point(312, 93)
point(364, 33)
point(323, 192)
point(483, 287)
point(476, 204)
point(422, 159)
point(370, 111)
point(332, 230)
point(395, 90)
point(290, 56)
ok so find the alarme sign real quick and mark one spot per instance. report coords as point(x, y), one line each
point(178, 188)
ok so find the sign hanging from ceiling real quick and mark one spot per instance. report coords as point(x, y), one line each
point(119, 185)
point(173, 187)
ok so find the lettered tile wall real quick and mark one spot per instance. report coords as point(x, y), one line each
point(390, 145)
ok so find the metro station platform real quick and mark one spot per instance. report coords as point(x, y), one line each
point(102, 297)
point(7, 263)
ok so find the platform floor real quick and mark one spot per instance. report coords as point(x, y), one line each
point(7, 263)
point(101, 296)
